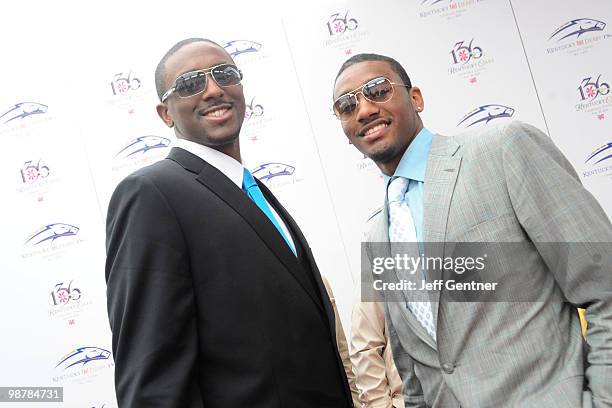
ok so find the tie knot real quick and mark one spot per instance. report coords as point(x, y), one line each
point(397, 189)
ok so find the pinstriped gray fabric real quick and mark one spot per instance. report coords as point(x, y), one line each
point(510, 184)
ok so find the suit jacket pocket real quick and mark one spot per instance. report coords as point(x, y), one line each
point(502, 228)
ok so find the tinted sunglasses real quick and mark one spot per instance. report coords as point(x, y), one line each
point(377, 90)
point(194, 82)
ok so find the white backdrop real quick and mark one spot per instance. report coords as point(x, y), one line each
point(77, 115)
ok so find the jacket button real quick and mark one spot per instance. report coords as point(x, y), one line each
point(448, 368)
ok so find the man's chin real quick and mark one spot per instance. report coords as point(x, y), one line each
point(381, 156)
point(224, 140)
point(222, 136)
point(215, 141)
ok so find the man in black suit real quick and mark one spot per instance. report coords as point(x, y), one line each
point(214, 297)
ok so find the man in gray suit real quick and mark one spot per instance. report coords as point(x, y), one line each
point(500, 184)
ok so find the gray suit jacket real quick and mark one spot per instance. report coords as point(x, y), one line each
point(510, 183)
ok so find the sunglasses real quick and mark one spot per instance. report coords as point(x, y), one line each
point(194, 82)
point(377, 90)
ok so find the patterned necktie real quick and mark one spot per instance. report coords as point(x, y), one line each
point(250, 187)
point(402, 229)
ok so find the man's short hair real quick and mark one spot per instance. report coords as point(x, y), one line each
point(160, 71)
point(395, 66)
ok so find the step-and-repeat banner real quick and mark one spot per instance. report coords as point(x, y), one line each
point(77, 114)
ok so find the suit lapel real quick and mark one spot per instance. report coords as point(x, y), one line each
point(443, 167)
point(235, 198)
point(300, 241)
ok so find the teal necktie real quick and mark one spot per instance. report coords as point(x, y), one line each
point(252, 189)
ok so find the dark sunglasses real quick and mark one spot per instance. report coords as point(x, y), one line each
point(377, 90)
point(194, 82)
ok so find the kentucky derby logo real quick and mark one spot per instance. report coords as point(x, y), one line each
point(576, 36)
point(599, 162)
point(143, 144)
point(268, 171)
point(35, 179)
point(22, 110)
point(467, 61)
point(83, 364)
point(237, 47)
point(343, 33)
point(51, 241)
point(51, 232)
point(82, 356)
point(462, 53)
point(31, 172)
point(577, 27)
point(602, 153)
point(62, 294)
point(590, 89)
point(253, 109)
point(338, 25)
point(122, 83)
point(594, 97)
point(486, 113)
point(66, 304)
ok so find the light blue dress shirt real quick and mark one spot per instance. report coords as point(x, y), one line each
point(413, 166)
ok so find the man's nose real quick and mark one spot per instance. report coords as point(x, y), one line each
point(366, 108)
point(213, 90)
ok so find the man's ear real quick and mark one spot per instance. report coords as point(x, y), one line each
point(162, 111)
point(417, 99)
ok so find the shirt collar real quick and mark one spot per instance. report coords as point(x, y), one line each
point(232, 168)
point(414, 161)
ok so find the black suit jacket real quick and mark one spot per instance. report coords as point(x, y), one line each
point(207, 304)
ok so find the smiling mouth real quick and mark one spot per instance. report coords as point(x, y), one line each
point(375, 129)
point(376, 126)
point(216, 113)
